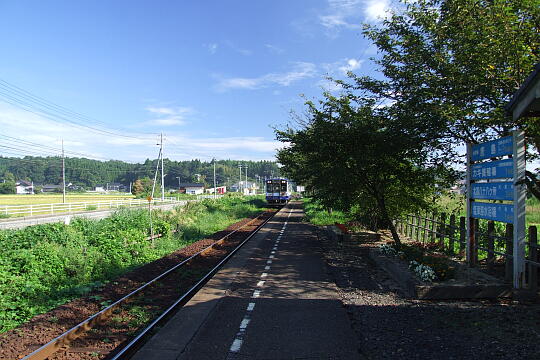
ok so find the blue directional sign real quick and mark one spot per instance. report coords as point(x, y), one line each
point(493, 191)
point(494, 148)
point(489, 211)
point(493, 170)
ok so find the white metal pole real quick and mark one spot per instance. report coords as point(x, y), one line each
point(240, 172)
point(162, 172)
point(214, 178)
point(519, 208)
point(63, 175)
point(247, 180)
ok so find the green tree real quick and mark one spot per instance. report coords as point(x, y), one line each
point(355, 156)
point(451, 66)
point(8, 187)
point(137, 187)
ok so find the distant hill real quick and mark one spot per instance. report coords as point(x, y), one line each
point(90, 173)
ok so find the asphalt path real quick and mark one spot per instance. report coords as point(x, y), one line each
point(273, 300)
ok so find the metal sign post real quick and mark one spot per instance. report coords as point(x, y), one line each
point(518, 155)
point(489, 179)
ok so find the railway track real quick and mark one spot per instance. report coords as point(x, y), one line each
point(119, 329)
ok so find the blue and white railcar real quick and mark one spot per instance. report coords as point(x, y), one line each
point(278, 191)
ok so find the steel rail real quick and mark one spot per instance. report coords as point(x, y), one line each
point(99, 318)
point(184, 298)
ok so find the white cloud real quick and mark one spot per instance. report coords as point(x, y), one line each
point(39, 129)
point(349, 14)
point(178, 146)
point(377, 10)
point(342, 67)
point(341, 14)
point(274, 49)
point(351, 65)
point(238, 49)
point(212, 48)
point(168, 116)
point(243, 148)
point(300, 70)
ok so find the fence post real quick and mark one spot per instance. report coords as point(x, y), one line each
point(490, 246)
point(433, 228)
point(405, 224)
point(425, 228)
point(533, 256)
point(442, 230)
point(462, 234)
point(31, 212)
point(451, 233)
point(411, 228)
point(474, 242)
point(509, 239)
point(415, 228)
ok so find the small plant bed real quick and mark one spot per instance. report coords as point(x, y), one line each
point(426, 273)
point(423, 260)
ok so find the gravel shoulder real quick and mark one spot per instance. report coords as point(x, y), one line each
point(390, 326)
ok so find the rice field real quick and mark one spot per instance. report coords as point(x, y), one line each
point(57, 198)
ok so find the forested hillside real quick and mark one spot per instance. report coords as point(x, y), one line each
point(90, 173)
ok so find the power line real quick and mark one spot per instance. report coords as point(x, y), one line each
point(57, 150)
point(32, 103)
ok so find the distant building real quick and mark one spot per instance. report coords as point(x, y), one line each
point(246, 187)
point(115, 187)
point(220, 190)
point(24, 187)
point(190, 188)
point(51, 188)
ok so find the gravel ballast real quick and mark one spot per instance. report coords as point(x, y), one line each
point(390, 326)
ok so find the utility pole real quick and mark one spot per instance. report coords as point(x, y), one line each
point(162, 171)
point(63, 175)
point(246, 180)
point(240, 172)
point(178, 177)
point(214, 160)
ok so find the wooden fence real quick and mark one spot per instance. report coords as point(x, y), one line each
point(449, 235)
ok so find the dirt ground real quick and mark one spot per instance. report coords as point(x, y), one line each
point(390, 326)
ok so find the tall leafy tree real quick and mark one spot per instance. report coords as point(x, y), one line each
point(352, 154)
point(451, 66)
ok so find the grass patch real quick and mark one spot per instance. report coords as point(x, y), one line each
point(46, 265)
point(319, 215)
point(456, 204)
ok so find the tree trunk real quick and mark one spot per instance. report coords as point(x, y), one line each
point(386, 218)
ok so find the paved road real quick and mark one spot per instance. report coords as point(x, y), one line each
point(29, 221)
point(274, 300)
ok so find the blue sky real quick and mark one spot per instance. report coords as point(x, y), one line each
point(213, 76)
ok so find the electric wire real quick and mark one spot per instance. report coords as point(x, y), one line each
point(21, 98)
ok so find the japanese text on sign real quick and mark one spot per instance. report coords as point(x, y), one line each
point(497, 212)
point(493, 170)
point(493, 191)
point(499, 147)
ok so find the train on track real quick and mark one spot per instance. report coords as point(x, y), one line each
point(278, 191)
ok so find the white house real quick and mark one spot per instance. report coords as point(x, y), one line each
point(192, 189)
point(24, 187)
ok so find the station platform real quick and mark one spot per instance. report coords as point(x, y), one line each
point(272, 300)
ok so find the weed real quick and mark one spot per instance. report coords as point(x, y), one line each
point(46, 265)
